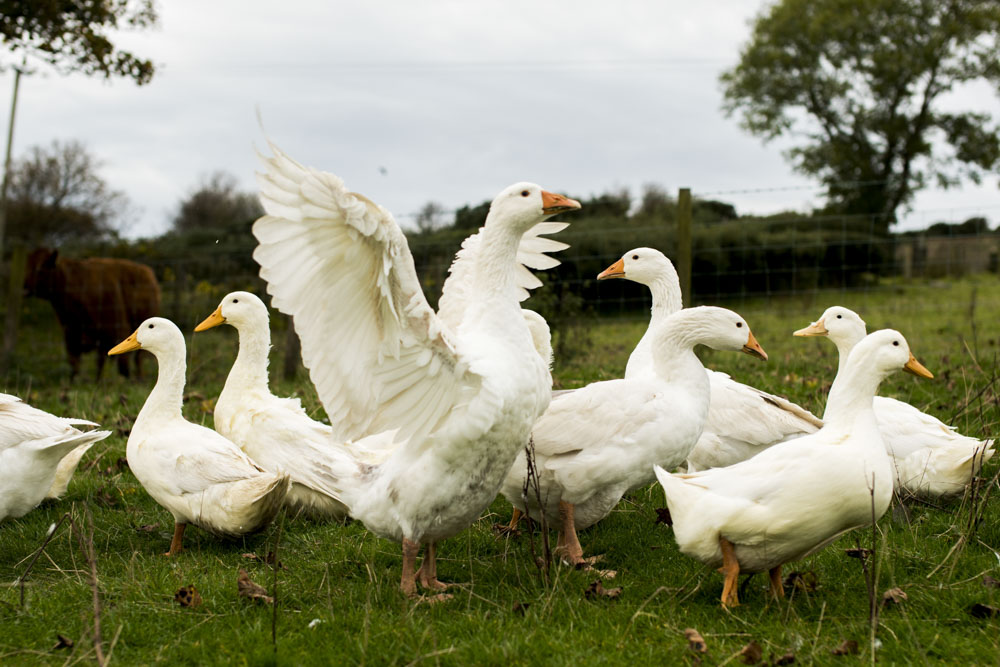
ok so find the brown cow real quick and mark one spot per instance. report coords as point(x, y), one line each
point(99, 301)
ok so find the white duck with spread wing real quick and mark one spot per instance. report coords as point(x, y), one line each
point(742, 420)
point(595, 444)
point(931, 459)
point(196, 474)
point(462, 395)
point(38, 454)
point(797, 496)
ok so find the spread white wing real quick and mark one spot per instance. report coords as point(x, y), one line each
point(379, 356)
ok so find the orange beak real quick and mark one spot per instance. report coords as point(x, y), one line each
point(616, 270)
point(753, 348)
point(916, 368)
point(213, 320)
point(817, 328)
point(553, 203)
point(127, 345)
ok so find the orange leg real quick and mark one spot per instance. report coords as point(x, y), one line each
point(731, 571)
point(408, 581)
point(568, 547)
point(427, 574)
point(777, 589)
point(177, 543)
point(515, 518)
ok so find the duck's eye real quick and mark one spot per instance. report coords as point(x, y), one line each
point(635, 256)
point(739, 325)
point(525, 193)
point(839, 316)
point(236, 300)
point(150, 326)
point(896, 343)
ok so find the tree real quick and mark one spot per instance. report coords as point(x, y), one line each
point(55, 197)
point(861, 82)
point(72, 35)
point(429, 217)
point(217, 204)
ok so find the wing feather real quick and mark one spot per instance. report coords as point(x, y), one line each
point(340, 266)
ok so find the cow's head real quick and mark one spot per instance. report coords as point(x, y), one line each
point(40, 273)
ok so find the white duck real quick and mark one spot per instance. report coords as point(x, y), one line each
point(797, 496)
point(463, 396)
point(38, 454)
point(742, 421)
point(595, 444)
point(276, 433)
point(192, 471)
point(931, 459)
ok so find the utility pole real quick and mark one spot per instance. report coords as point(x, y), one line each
point(18, 71)
point(684, 243)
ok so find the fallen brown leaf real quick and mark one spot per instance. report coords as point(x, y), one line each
point(752, 653)
point(63, 642)
point(250, 556)
point(894, 596)
point(597, 590)
point(188, 596)
point(984, 611)
point(521, 608)
point(148, 528)
point(695, 641)
point(663, 516)
point(847, 647)
point(787, 659)
point(990, 582)
point(248, 589)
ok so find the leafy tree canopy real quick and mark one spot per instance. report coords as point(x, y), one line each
point(216, 204)
point(73, 35)
point(56, 197)
point(860, 84)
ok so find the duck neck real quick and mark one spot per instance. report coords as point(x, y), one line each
point(250, 368)
point(167, 397)
point(494, 275)
point(851, 394)
point(666, 292)
point(672, 346)
point(845, 343)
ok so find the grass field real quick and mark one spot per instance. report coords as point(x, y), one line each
point(337, 597)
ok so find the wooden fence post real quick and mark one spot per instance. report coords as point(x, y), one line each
point(15, 291)
point(684, 243)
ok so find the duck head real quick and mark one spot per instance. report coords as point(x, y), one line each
point(238, 309)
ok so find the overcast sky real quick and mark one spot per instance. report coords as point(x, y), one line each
point(447, 101)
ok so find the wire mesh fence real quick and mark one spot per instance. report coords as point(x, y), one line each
point(809, 260)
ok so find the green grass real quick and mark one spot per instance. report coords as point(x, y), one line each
point(505, 613)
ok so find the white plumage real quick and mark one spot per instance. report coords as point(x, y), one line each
point(38, 454)
point(931, 459)
point(595, 444)
point(276, 433)
point(796, 496)
point(462, 393)
point(742, 420)
point(196, 474)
